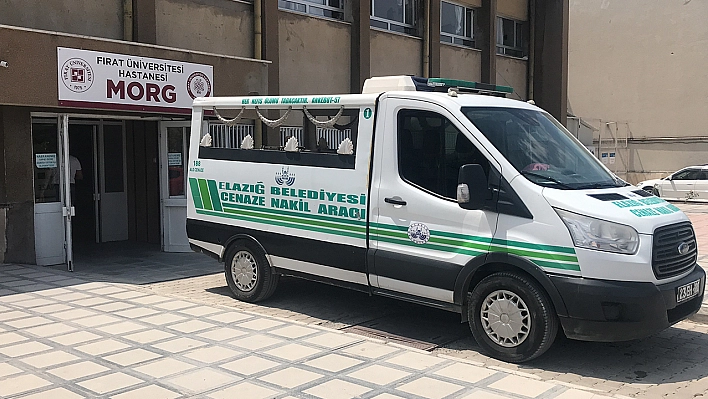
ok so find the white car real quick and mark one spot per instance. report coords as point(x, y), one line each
point(690, 183)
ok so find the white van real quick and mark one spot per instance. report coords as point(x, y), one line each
point(425, 190)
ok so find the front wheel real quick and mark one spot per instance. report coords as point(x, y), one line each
point(511, 317)
point(248, 272)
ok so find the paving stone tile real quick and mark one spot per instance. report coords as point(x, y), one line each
point(121, 328)
point(31, 303)
point(190, 326)
point(92, 301)
point(5, 308)
point(131, 357)
point(256, 342)
point(162, 319)
point(78, 370)
point(136, 312)
point(28, 322)
point(337, 389)
point(13, 315)
point(164, 367)
point(148, 299)
point(56, 293)
point(179, 345)
point(51, 309)
point(127, 295)
point(50, 359)
point(102, 347)
point(229, 317)
point(291, 377)
point(74, 314)
point(293, 331)
point(113, 306)
point(482, 394)
point(430, 388)
point(332, 340)
point(417, 361)
point(333, 362)
point(245, 390)
point(95, 321)
point(48, 330)
point(74, 296)
point(292, 352)
point(249, 365)
point(222, 334)
point(521, 386)
point(6, 369)
point(56, 393)
point(174, 305)
point(5, 293)
point(107, 290)
point(21, 383)
point(260, 324)
point(202, 380)
point(19, 283)
point(146, 337)
point(74, 338)
point(212, 354)
point(379, 375)
point(199, 311)
point(110, 383)
point(22, 349)
point(465, 372)
point(387, 396)
point(150, 391)
point(371, 350)
point(11, 338)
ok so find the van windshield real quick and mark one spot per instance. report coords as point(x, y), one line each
point(540, 148)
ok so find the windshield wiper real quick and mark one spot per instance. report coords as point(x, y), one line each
point(599, 185)
point(558, 182)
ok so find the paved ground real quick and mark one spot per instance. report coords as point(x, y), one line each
point(189, 291)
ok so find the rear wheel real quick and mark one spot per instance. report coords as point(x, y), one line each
point(511, 317)
point(655, 191)
point(248, 272)
point(649, 189)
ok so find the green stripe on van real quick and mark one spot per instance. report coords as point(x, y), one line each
point(355, 222)
point(196, 196)
point(267, 217)
point(204, 190)
point(214, 192)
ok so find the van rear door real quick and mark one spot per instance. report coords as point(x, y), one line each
point(419, 235)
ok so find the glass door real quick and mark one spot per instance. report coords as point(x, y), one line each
point(174, 149)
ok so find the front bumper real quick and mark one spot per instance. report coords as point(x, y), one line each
point(607, 311)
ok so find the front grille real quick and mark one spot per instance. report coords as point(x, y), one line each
point(666, 259)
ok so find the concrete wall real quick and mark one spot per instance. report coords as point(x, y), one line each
point(643, 63)
point(100, 18)
point(16, 184)
point(460, 63)
point(213, 26)
point(395, 54)
point(512, 72)
point(314, 55)
point(514, 9)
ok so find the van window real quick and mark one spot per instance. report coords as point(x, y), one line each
point(431, 151)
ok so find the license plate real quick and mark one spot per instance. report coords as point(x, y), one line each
point(688, 291)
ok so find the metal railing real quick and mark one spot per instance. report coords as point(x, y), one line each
point(223, 136)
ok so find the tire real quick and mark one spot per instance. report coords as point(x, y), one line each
point(526, 332)
point(655, 192)
point(248, 272)
point(649, 189)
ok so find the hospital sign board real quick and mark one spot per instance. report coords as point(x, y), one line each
point(95, 79)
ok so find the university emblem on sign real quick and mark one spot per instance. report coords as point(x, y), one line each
point(418, 233)
point(198, 85)
point(285, 177)
point(77, 75)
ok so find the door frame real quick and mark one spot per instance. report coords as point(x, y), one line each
point(169, 203)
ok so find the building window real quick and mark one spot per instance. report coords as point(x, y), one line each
point(456, 24)
point(511, 37)
point(394, 15)
point(322, 8)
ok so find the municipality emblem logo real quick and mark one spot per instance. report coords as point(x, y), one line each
point(198, 85)
point(77, 75)
point(285, 177)
point(419, 233)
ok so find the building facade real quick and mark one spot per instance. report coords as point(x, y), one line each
point(108, 83)
point(637, 75)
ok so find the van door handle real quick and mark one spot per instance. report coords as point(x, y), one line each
point(395, 201)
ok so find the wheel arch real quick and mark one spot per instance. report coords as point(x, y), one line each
point(249, 238)
point(482, 266)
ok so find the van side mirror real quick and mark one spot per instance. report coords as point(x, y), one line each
point(472, 187)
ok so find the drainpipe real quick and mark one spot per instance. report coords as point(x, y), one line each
point(426, 40)
point(258, 54)
point(128, 20)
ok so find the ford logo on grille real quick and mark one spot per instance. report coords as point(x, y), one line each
point(684, 248)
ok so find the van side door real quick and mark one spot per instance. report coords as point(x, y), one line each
point(420, 237)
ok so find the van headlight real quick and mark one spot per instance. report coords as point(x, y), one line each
point(599, 234)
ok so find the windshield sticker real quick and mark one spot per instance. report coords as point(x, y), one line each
point(640, 207)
